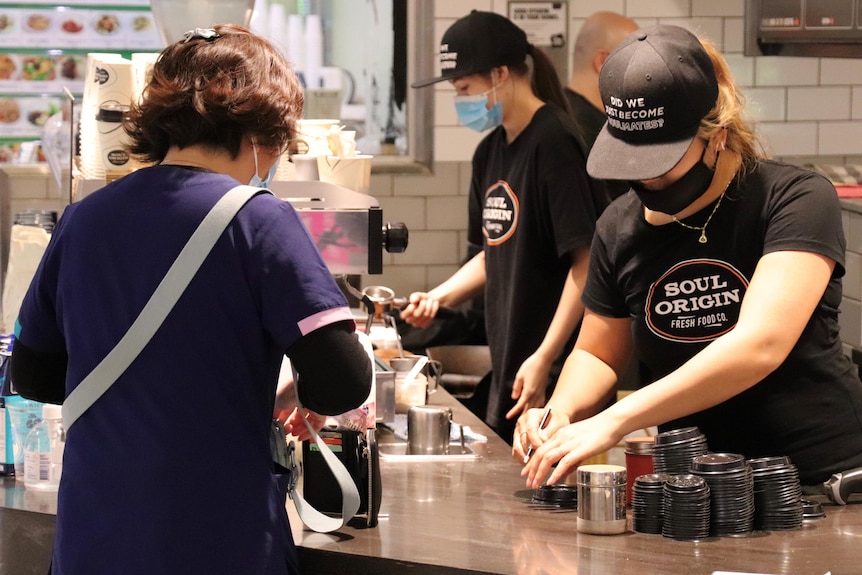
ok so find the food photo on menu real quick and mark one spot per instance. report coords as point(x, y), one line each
point(107, 24)
point(72, 25)
point(39, 22)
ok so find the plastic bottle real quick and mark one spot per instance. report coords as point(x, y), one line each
point(22, 415)
point(43, 451)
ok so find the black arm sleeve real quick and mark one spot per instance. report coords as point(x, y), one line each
point(38, 376)
point(334, 369)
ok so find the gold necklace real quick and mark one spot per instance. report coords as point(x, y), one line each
point(702, 229)
point(726, 167)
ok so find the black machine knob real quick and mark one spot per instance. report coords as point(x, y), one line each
point(395, 237)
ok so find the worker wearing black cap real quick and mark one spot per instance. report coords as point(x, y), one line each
point(532, 210)
point(723, 267)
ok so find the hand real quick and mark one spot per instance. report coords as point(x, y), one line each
point(567, 447)
point(421, 310)
point(531, 382)
point(294, 425)
point(527, 430)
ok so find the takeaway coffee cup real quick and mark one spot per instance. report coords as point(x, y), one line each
point(428, 430)
point(306, 167)
point(351, 172)
point(413, 388)
point(113, 140)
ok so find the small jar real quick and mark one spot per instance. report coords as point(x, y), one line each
point(601, 499)
point(639, 461)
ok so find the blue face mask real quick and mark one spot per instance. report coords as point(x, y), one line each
point(255, 179)
point(474, 113)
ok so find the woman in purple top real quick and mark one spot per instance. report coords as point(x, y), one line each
point(170, 471)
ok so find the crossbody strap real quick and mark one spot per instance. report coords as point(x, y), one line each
point(159, 305)
point(350, 499)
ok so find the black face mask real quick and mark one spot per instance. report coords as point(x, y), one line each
point(680, 194)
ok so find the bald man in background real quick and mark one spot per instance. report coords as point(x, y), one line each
point(599, 35)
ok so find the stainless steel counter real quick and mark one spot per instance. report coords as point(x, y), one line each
point(472, 516)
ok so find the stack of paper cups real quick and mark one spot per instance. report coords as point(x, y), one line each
point(259, 23)
point(296, 43)
point(142, 64)
point(277, 31)
point(91, 162)
point(113, 140)
point(313, 50)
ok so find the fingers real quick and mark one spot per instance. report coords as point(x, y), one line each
point(550, 464)
point(517, 387)
point(421, 310)
point(518, 408)
point(541, 465)
point(526, 432)
point(519, 445)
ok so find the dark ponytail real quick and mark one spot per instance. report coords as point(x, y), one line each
point(545, 82)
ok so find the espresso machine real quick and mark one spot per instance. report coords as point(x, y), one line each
point(347, 226)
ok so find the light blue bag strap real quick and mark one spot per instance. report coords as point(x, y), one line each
point(350, 500)
point(159, 305)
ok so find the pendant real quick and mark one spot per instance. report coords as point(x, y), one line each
point(702, 239)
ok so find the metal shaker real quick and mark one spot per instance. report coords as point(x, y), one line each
point(601, 499)
point(428, 430)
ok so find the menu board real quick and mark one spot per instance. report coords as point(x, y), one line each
point(43, 53)
point(68, 27)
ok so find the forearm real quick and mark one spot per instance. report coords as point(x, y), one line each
point(570, 309)
point(464, 284)
point(591, 372)
point(585, 387)
point(707, 379)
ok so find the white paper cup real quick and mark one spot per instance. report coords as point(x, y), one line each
point(305, 167)
point(351, 172)
point(312, 135)
point(113, 140)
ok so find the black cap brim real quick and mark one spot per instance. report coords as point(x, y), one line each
point(429, 81)
point(613, 159)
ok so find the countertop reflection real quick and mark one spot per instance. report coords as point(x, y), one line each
point(473, 517)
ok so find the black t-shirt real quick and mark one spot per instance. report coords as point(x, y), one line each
point(681, 295)
point(588, 118)
point(531, 205)
point(589, 121)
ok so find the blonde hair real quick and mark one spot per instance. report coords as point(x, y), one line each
point(729, 114)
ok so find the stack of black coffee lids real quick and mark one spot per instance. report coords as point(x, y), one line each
point(686, 507)
point(777, 494)
point(731, 485)
point(648, 502)
point(812, 510)
point(558, 496)
point(675, 449)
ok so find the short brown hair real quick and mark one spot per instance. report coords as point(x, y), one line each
point(214, 92)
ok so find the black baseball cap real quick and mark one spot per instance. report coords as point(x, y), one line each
point(656, 87)
point(477, 43)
